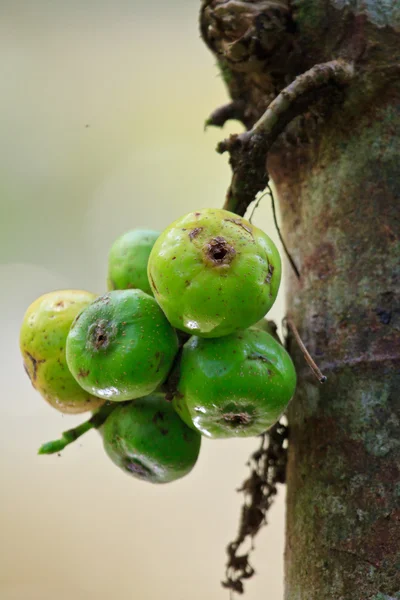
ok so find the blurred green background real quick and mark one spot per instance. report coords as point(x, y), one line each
point(101, 122)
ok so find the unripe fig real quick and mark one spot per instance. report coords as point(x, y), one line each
point(43, 339)
point(128, 258)
point(213, 273)
point(122, 346)
point(234, 386)
point(148, 440)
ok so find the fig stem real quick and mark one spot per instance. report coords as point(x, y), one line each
point(289, 256)
point(256, 205)
point(312, 364)
point(270, 193)
point(71, 435)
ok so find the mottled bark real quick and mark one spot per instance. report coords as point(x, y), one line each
point(341, 220)
point(336, 168)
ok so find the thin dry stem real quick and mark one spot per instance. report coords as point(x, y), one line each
point(311, 362)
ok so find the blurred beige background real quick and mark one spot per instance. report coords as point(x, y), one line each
point(101, 128)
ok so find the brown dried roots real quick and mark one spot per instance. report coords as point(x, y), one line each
point(268, 468)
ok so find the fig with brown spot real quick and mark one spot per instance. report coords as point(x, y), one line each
point(122, 347)
point(43, 339)
point(235, 386)
point(147, 439)
point(213, 273)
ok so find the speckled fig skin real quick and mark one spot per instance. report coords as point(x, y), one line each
point(122, 347)
point(43, 338)
point(235, 386)
point(148, 440)
point(213, 273)
point(128, 258)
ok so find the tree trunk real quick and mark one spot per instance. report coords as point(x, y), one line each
point(343, 509)
point(335, 163)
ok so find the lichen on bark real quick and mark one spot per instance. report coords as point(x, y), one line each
point(335, 165)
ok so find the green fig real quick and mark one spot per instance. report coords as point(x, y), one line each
point(122, 347)
point(213, 273)
point(128, 258)
point(148, 440)
point(234, 386)
point(43, 339)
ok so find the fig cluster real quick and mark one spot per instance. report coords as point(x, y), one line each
point(175, 349)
